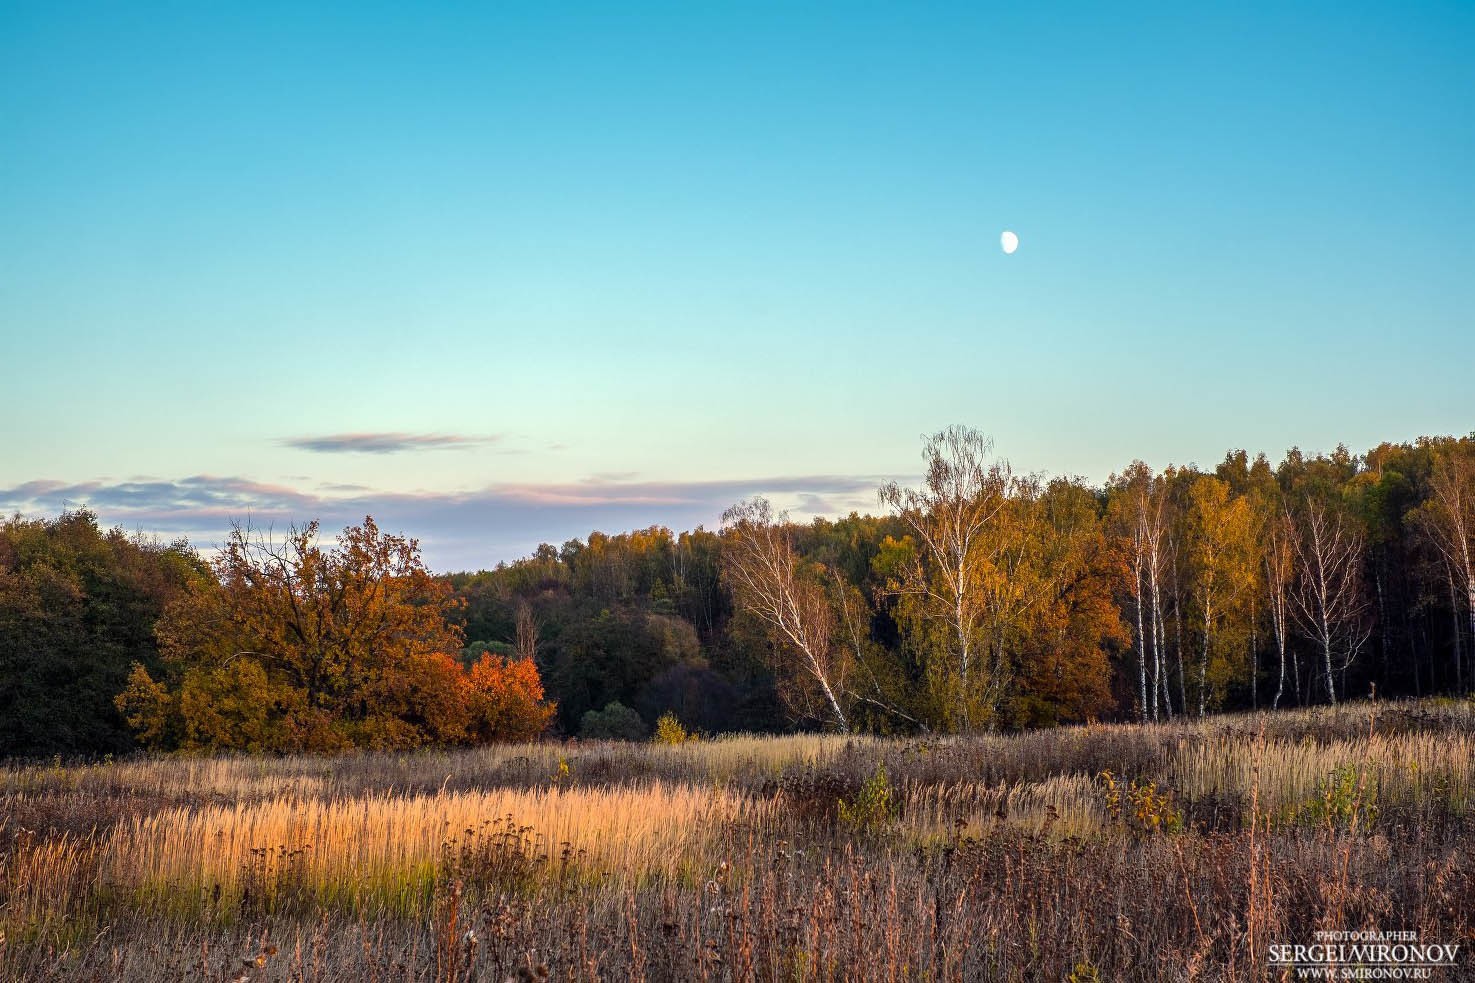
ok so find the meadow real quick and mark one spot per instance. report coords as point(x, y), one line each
point(1177, 851)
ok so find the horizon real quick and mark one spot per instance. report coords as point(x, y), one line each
point(504, 276)
point(701, 504)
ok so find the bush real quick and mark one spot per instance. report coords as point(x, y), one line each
point(505, 699)
point(1140, 806)
point(1344, 799)
point(670, 731)
point(874, 807)
point(616, 722)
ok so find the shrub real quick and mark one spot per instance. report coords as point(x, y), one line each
point(873, 808)
point(616, 722)
point(1140, 806)
point(506, 699)
point(670, 731)
point(1343, 800)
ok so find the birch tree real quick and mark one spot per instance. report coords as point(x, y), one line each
point(1329, 604)
point(769, 581)
point(949, 589)
point(526, 643)
point(1279, 558)
point(1447, 519)
point(1139, 513)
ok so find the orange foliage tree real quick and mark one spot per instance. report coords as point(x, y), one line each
point(505, 700)
point(293, 647)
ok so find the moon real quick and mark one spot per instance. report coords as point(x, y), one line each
point(1009, 241)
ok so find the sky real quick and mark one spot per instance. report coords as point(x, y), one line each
point(505, 273)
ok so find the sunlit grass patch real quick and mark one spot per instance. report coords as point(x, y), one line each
point(384, 851)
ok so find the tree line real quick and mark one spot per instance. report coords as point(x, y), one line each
point(978, 598)
point(1013, 600)
point(274, 645)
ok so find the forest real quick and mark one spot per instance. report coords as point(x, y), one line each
point(976, 599)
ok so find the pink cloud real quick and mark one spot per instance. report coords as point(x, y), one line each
point(458, 529)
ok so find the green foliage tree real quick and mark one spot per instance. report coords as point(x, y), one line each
point(77, 609)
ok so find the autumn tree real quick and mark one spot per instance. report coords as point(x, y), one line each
point(772, 583)
point(979, 599)
point(1221, 551)
point(1060, 649)
point(296, 647)
point(505, 700)
point(945, 588)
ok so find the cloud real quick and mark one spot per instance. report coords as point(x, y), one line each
point(158, 500)
point(457, 529)
point(387, 443)
point(812, 504)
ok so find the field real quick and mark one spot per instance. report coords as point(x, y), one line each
point(1157, 852)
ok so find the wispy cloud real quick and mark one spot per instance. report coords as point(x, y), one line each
point(387, 443)
point(458, 529)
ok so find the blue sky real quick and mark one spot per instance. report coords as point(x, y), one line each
point(507, 274)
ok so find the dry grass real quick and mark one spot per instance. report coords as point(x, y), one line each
point(751, 858)
point(385, 851)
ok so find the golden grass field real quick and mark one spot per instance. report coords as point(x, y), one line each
point(1172, 851)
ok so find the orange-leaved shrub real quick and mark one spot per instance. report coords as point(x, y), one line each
point(505, 700)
